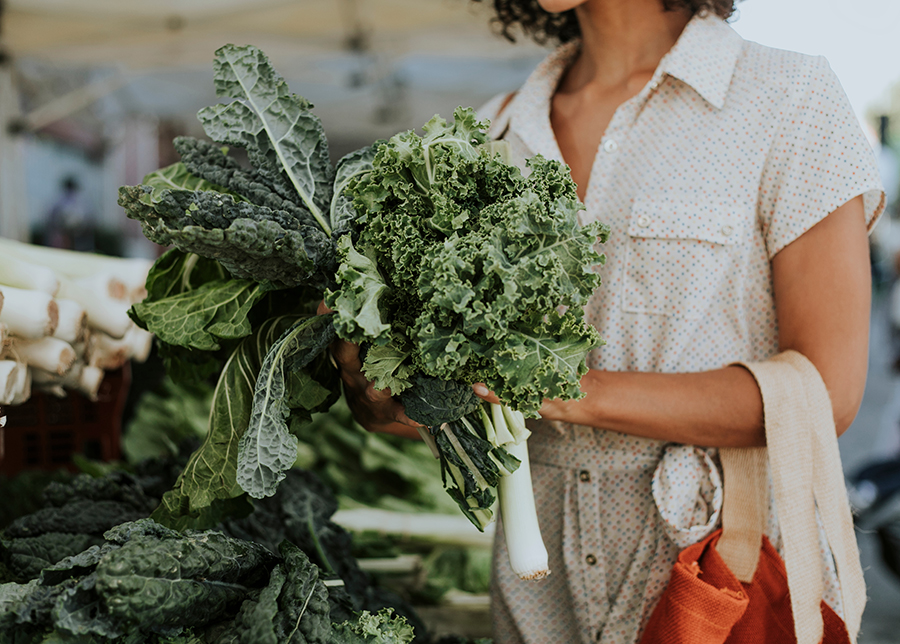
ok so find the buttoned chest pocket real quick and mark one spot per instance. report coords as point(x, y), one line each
point(681, 255)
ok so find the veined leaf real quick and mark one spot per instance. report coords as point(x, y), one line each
point(285, 141)
point(176, 272)
point(211, 473)
point(268, 448)
point(352, 166)
point(358, 316)
point(200, 317)
point(546, 361)
point(177, 177)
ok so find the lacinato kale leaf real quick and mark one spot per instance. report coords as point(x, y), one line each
point(162, 581)
point(211, 472)
point(285, 141)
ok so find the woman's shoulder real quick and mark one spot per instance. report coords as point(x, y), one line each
point(782, 69)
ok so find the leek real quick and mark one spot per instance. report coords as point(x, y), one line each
point(28, 314)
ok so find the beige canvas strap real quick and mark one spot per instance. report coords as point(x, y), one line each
point(805, 466)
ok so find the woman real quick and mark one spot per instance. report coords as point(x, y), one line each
point(737, 183)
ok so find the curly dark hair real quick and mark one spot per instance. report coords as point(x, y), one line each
point(545, 27)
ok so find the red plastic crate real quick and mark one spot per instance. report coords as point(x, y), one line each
point(45, 432)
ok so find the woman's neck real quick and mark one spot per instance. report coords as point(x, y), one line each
point(622, 39)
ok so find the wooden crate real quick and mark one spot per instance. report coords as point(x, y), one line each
point(45, 432)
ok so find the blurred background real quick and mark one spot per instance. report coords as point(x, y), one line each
point(92, 92)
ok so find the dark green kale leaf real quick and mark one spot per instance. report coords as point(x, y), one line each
point(210, 477)
point(161, 581)
point(212, 163)
point(304, 616)
point(251, 242)
point(433, 402)
point(28, 556)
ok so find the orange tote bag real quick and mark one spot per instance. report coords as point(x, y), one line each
point(706, 604)
point(733, 587)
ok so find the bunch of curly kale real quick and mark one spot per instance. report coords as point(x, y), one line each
point(435, 251)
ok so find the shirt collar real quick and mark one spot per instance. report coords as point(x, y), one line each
point(704, 57)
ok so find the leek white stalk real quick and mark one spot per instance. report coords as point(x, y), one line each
point(527, 553)
point(104, 283)
point(103, 312)
point(81, 377)
point(49, 354)
point(70, 263)
point(72, 321)
point(106, 352)
point(28, 276)
point(140, 343)
point(9, 379)
point(23, 386)
point(501, 430)
point(4, 336)
point(28, 314)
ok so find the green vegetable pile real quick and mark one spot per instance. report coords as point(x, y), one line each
point(435, 252)
point(91, 568)
point(146, 583)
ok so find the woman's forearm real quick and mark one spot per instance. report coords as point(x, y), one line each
point(721, 408)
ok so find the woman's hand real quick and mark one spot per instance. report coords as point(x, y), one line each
point(374, 409)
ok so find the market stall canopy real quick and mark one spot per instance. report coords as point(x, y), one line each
point(390, 61)
point(172, 33)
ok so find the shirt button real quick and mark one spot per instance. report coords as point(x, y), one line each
point(727, 230)
point(610, 146)
point(654, 84)
point(591, 560)
point(585, 476)
point(643, 221)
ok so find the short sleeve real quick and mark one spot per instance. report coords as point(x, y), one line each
point(819, 160)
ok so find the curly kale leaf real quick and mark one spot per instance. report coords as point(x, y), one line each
point(358, 302)
point(351, 167)
point(284, 140)
point(463, 257)
point(267, 448)
point(379, 628)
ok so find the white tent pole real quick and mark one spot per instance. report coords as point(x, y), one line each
point(13, 223)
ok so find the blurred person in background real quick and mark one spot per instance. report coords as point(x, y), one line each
point(736, 180)
point(70, 222)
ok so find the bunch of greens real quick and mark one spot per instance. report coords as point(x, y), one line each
point(435, 251)
point(148, 584)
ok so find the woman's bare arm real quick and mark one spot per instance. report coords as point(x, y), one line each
point(822, 295)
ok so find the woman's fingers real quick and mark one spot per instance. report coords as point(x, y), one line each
point(484, 393)
point(374, 409)
point(346, 354)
